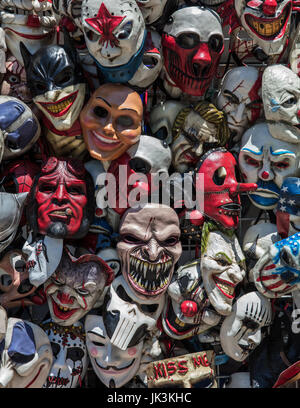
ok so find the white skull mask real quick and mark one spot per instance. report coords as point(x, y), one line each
point(266, 22)
point(240, 98)
point(26, 355)
point(241, 331)
point(113, 366)
point(266, 161)
point(70, 356)
point(186, 312)
point(29, 21)
point(126, 317)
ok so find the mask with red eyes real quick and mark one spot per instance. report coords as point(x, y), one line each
point(220, 187)
point(61, 202)
point(192, 43)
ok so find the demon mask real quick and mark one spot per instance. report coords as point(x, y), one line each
point(111, 121)
point(288, 208)
point(192, 43)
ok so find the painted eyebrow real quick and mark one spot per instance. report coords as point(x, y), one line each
point(278, 153)
point(104, 100)
point(226, 91)
point(129, 109)
point(225, 256)
point(253, 152)
point(96, 334)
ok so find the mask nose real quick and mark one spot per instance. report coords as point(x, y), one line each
point(110, 52)
point(201, 62)
point(237, 188)
point(266, 173)
point(33, 21)
point(238, 113)
point(152, 250)
point(269, 7)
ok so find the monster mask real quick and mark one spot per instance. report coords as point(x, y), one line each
point(61, 200)
point(288, 208)
point(149, 248)
point(75, 286)
point(111, 121)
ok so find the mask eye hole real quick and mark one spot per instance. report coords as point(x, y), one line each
point(124, 121)
point(5, 280)
point(161, 134)
point(250, 324)
point(215, 43)
point(130, 239)
point(252, 162)
point(188, 40)
point(126, 31)
point(220, 176)
point(100, 112)
point(289, 102)
point(75, 354)
point(170, 241)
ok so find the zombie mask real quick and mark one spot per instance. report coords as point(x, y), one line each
point(56, 83)
point(70, 357)
point(156, 12)
point(75, 286)
point(61, 200)
point(195, 131)
point(266, 161)
point(111, 121)
point(29, 21)
point(192, 43)
point(26, 355)
point(267, 22)
point(220, 187)
point(277, 272)
point(113, 366)
point(149, 248)
point(115, 37)
point(19, 127)
point(241, 331)
point(240, 98)
point(186, 312)
point(222, 268)
point(288, 208)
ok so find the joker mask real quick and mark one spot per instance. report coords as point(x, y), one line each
point(266, 161)
point(240, 98)
point(111, 121)
point(29, 21)
point(192, 43)
point(149, 248)
point(222, 268)
point(61, 201)
point(70, 357)
point(241, 331)
point(267, 22)
point(288, 208)
point(115, 37)
point(113, 366)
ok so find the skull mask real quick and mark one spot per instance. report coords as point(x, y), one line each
point(266, 161)
point(115, 37)
point(241, 331)
point(239, 97)
point(266, 21)
point(29, 21)
point(192, 43)
point(288, 208)
point(149, 248)
point(75, 286)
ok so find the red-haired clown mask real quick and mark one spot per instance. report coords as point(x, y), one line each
point(192, 43)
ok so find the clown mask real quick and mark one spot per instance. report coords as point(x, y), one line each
point(266, 161)
point(149, 247)
point(111, 121)
point(288, 208)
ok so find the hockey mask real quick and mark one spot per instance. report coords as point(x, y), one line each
point(192, 43)
point(266, 161)
point(288, 208)
point(149, 248)
point(111, 121)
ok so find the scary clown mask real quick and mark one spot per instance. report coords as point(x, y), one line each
point(187, 312)
point(75, 286)
point(220, 187)
point(222, 267)
point(113, 366)
point(115, 36)
point(192, 43)
point(26, 355)
point(288, 208)
point(56, 82)
point(29, 21)
point(281, 99)
point(61, 200)
point(266, 161)
point(240, 98)
point(70, 357)
point(149, 248)
point(277, 272)
point(241, 331)
point(267, 22)
point(111, 121)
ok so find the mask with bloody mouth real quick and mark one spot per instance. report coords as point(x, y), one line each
point(29, 21)
point(222, 267)
point(61, 200)
point(75, 286)
point(267, 22)
point(149, 247)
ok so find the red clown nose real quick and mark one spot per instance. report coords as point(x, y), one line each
point(189, 308)
point(269, 7)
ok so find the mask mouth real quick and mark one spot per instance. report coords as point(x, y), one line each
point(113, 369)
point(62, 312)
point(232, 208)
point(61, 215)
point(60, 107)
point(227, 288)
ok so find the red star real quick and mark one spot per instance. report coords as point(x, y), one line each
point(105, 24)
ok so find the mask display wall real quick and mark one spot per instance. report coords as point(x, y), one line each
point(288, 208)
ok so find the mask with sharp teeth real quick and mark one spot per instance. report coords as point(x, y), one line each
point(149, 248)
